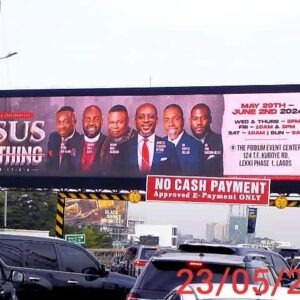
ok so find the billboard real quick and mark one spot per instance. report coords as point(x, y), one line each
point(96, 138)
point(252, 216)
point(92, 211)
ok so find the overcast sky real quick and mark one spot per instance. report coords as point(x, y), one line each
point(95, 43)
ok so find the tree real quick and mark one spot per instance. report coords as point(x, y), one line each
point(31, 210)
point(95, 238)
point(37, 211)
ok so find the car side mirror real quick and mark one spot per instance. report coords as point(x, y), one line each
point(17, 276)
point(103, 271)
point(90, 271)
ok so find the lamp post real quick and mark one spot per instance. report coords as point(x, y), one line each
point(5, 210)
point(9, 55)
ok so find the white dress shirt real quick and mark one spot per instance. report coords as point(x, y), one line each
point(150, 144)
point(175, 141)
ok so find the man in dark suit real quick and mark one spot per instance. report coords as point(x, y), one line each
point(63, 153)
point(201, 119)
point(119, 132)
point(189, 150)
point(146, 153)
point(93, 140)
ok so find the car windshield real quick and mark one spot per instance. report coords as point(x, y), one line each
point(167, 272)
point(147, 253)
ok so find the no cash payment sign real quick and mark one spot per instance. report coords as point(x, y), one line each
point(208, 190)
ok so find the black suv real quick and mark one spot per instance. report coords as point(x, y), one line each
point(56, 269)
point(8, 279)
point(161, 274)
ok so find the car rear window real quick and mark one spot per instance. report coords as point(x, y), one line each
point(147, 253)
point(206, 249)
point(167, 271)
point(288, 252)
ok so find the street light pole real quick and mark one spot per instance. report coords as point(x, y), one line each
point(9, 55)
point(5, 209)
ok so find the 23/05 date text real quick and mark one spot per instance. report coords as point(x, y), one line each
point(240, 279)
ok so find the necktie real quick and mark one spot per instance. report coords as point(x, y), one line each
point(145, 157)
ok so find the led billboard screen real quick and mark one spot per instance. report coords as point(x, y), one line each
point(103, 136)
point(92, 211)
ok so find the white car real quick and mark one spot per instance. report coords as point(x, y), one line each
point(228, 293)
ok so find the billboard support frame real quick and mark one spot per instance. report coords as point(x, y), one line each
point(63, 195)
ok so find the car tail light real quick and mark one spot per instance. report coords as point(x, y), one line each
point(140, 262)
point(194, 264)
point(132, 296)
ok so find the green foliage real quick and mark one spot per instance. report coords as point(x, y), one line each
point(37, 211)
point(95, 238)
point(30, 210)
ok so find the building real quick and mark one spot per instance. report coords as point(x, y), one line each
point(237, 230)
point(166, 235)
point(216, 232)
point(184, 237)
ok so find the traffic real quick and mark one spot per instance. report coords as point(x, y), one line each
point(35, 268)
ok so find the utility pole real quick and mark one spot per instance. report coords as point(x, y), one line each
point(5, 210)
point(10, 54)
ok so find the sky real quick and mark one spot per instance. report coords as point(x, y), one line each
point(137, 43)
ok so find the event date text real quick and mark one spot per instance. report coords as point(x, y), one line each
point(266, 111)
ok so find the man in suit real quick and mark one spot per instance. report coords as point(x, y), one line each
point(200, 120)
point(189, 150)
point(93, 140)
point(119, 132)
point(63, 153)
point(146, 153)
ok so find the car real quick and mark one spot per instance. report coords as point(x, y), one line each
point(56, 269)
point(167, 270)
point(293, 261)
point(133, 260)
point(272, 257)
point(9, 278)
point(228, 292)
point(287, 252)
point(298, 266)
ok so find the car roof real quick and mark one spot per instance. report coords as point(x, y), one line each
point(33, 238)
point(207, 257)
point(138, 246)
point(240, 249)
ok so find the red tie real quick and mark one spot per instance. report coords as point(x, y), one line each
point(145, 157)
